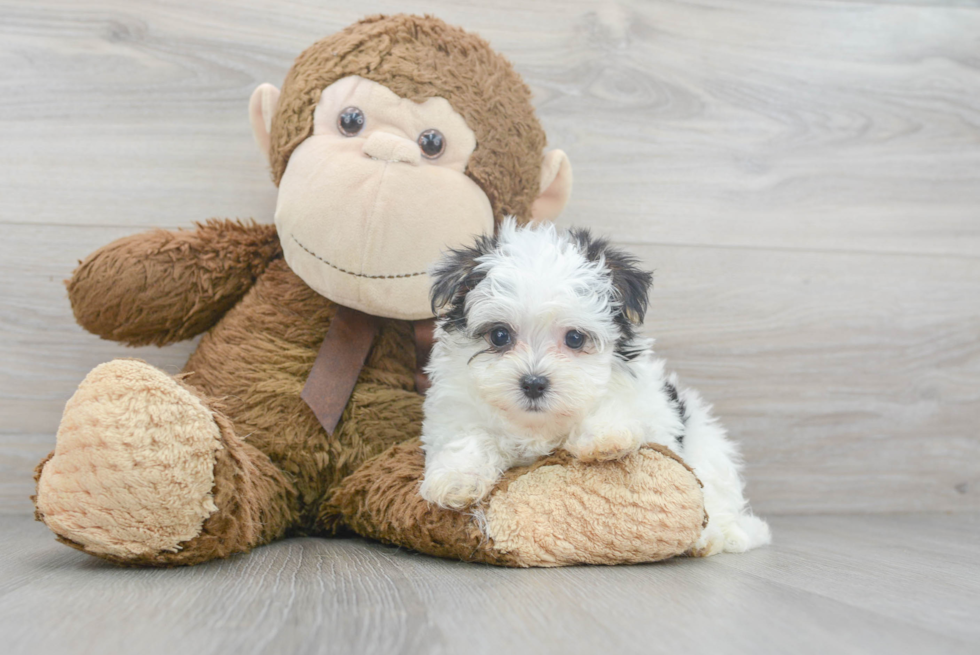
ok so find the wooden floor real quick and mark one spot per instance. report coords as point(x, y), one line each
point(890, 584)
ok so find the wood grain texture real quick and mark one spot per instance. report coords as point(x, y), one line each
point(814, 124)
point(804, 177)
point(881, 584)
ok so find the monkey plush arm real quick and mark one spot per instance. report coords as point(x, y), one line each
point(163, 286)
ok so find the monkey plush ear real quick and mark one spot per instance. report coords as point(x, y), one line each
point(261, 108)
point(556, 187)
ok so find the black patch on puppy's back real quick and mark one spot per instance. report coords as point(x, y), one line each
point(631, 287)
point(676, 403)
point(455, 276)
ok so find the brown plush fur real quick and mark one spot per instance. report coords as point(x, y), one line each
point(162, 287)
point(253, 500)
point(420, 58)
point(251, 367)
point(381, 501)
point(256, 361)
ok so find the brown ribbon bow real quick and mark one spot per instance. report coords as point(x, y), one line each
point(341, 357)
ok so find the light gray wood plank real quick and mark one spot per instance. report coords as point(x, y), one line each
point(802, 125)
point(326, 596)
point(766, 151)
point(882, 566)
point(851, 380)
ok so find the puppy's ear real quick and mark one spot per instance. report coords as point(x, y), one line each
point(631, 284)
point(453, 277)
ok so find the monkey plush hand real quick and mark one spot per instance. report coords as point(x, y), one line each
point(298, 412)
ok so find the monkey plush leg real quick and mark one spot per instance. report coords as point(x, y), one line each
point(145, 472)
point(645, 507)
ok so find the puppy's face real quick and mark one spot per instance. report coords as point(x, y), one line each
point(536, 319)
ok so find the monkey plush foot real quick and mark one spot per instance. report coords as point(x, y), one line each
point(645, 507)
point(140, 468)
point(133, 467)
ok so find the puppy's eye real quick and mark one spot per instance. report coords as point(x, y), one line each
point(432, 143)
point(350, 121)
point(574, 339)
point(499, 336)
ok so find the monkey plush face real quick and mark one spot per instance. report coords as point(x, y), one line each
point(393, 141)
point(371, 198)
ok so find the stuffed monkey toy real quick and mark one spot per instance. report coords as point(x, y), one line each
point(299, 412)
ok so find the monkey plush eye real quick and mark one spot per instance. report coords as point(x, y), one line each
point(432, 143)
point(499, 336)
point(350, 121)
point(574, 339)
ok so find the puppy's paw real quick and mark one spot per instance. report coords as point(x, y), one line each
point(711, 542)
point(455, 489)
point(728, 537)
point(603, 444)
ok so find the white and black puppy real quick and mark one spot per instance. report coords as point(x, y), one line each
point(536, 349)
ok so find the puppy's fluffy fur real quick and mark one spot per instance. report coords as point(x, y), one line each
point(536, 349)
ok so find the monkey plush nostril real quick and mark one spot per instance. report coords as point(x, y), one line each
point(534, 386)
point(393, 148)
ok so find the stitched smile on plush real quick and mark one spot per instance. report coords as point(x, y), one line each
point(382, 276)
point(367, 211)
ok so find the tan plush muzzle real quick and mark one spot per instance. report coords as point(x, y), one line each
point(362, 217)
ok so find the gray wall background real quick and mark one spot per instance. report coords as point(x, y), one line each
point(803, 176)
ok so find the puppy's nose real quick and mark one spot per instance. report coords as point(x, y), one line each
point(534, 386)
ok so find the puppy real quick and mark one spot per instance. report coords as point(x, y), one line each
point(536, 349)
